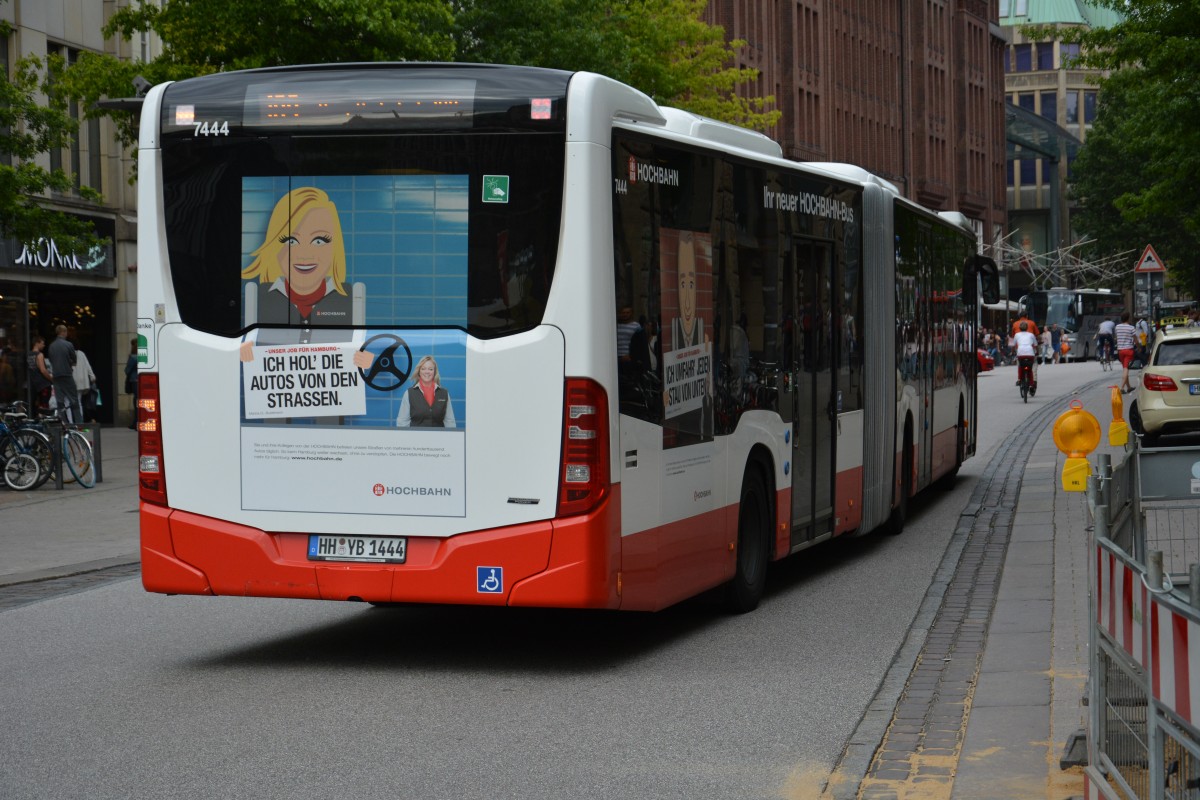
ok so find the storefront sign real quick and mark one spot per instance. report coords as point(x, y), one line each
point(48, 256)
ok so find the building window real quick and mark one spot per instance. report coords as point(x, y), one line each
point(1017, 8)
point(1009, 168)
point(70, 159)
point(1024, 57)
point(95, 162)
point(1070, 54)
point(5, 158)
point(1050, 105)
point(1072, 108)
point(1029, 171)
point(1007, 60)
point(1025, 100)
point(1089, 107)
point(1045, 53)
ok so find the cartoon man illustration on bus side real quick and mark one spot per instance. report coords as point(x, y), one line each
point(687, 330)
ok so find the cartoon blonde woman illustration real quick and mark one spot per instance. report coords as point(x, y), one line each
point(299, 273)
point(303, 259)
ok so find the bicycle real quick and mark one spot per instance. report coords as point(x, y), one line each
point(17, 440)
point(73, 445)
point(1104, 354)
point(26, 456)
point(1025, 377)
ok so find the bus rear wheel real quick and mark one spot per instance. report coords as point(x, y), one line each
point(745, 590)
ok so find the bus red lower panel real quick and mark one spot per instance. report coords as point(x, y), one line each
point(161, 570)
point(677, 560)
point(568, 563)
point(847, 493)
point(943, 453)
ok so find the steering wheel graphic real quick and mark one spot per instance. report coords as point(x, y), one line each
point(388, 363)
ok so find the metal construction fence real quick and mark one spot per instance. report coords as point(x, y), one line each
point(1144, 687)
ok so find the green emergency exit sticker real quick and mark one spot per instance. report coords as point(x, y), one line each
point(495, 188)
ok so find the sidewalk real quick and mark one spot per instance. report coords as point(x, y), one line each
point(50, 533)
point(1028, 699)
point(987, 690)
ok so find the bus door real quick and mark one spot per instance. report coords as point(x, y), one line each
point(815, 322)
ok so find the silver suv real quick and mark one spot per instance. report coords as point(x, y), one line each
point(1168, 399)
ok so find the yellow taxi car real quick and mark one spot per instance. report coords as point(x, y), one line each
point(1168, 399)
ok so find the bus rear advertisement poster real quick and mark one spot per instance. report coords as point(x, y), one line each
point(386, 408)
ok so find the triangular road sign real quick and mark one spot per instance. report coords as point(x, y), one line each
point(1150, 262)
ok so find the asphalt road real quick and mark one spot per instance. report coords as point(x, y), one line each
point(112, 692)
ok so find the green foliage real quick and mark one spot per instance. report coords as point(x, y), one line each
point(220, 35)
point(33, 121)
point(1140, 165)
point(204, 36)
point(662, 47)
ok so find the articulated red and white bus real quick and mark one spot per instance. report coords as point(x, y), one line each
point(512, 336)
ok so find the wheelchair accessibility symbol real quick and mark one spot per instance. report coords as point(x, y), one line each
point(489, 580)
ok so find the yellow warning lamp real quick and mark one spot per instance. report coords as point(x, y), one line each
point(1076, 433)
point(1118, 429)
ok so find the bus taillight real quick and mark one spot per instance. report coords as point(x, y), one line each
point(583, 483)
point(152, 480)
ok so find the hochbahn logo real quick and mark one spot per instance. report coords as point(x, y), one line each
point(651, 173)
point(380, 490)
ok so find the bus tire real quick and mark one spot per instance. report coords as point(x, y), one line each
point(895, 523)
point(745, 590)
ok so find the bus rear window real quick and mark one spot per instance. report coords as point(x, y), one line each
point(396, 230)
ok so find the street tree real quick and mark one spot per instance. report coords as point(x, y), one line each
point(204, 36)
point(34, 120)
point(662, 47)
point(1137, 174)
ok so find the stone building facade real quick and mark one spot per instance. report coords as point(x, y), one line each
point(912, 91)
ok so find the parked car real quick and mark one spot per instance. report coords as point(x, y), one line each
point(986, 362)
point(1168, 398)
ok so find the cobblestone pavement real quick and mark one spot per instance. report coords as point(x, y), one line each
point(15, 595)
point(910, 742)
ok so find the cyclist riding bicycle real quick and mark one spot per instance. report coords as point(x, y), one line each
point(1027, 345)
point(1105, 341)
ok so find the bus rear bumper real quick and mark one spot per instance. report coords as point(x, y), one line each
point(569, 563)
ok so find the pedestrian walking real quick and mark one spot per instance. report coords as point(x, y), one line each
point(85, 385)
point(41, 379)
point(62, 357)
point(1124, 334)
point(131, 371)
point(1055, 342)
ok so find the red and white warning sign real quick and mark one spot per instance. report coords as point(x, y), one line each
point(1150, 262)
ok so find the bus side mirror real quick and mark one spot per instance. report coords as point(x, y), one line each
point(983, 268)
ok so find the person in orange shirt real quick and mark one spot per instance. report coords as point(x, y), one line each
point(1031, 326)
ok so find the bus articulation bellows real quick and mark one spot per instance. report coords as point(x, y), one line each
point(511, 336)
